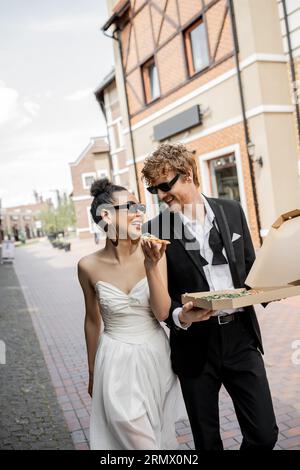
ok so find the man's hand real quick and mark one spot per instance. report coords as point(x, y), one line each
point(189, 314)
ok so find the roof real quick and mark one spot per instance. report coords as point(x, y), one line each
point(118, 11)
point(107, 80)
point(96, 145)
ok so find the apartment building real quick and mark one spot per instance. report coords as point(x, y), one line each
point(91, 164)
point(289, 14)
point(212, 74)
point(23, 220)
point(108, 99)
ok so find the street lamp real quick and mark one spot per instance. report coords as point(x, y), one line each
point(251, 153)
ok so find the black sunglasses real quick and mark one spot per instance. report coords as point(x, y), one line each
point(165, 187)
point(133, 207)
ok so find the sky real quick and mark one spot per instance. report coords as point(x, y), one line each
point(53, 56)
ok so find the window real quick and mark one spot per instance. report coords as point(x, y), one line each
point(224, 178)
point(93, 228)
point(196, 47)
point(89, 181)
point(102, 174)
point(150, 80)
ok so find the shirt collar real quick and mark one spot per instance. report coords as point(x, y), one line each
point(209, 214)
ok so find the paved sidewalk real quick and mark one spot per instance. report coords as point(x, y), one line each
point(30, 415)
point(52, 292)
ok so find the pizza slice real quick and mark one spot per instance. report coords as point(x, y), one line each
point(151, 238)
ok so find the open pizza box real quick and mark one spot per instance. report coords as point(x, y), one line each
point(275, 274)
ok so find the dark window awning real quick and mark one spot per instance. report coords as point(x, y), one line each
point(181, 122)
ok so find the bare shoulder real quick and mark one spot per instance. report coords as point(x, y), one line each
point(85, 262)
point(89, 261)
point(88, 266)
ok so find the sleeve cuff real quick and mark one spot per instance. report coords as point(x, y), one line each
point(175, 314)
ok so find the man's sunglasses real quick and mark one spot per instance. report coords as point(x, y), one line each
point(133, 207)
point(165, 187)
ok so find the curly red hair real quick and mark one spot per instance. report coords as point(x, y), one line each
point(169, 157)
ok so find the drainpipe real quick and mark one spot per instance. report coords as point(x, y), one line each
point(118, 39)
point(102, 106)
point(292, 65)
point(243, 105)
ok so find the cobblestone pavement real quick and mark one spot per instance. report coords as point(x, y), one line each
point(52, 292)
point(30, 416)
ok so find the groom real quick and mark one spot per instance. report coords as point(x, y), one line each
point(210, 249)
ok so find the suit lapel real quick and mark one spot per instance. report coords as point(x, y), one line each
point(226, 238)
point(179, 234)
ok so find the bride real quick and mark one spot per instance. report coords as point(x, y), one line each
point(136, 399)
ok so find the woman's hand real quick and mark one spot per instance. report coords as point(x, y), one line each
point(153, 252)
point(91, 382)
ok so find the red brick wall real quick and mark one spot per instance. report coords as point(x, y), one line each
point(297, 67)
point(81, 216)
point(86, 165)
point(224, 138)
point(171, 59)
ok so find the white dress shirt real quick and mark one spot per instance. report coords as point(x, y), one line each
point(218, 276)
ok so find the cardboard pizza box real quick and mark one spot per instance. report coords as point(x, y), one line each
point(275, 274)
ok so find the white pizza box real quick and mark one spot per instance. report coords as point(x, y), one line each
point(275, 274)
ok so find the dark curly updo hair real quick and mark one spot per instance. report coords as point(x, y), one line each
point(102, 191)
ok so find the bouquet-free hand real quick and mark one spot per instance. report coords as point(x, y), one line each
point(191, 314)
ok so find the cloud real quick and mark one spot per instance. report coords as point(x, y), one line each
point(12, 110)
point(44, 95)
point(31, 107)
point(80, 94)
point(38, 161)
point(23, 122)
point(8, 103)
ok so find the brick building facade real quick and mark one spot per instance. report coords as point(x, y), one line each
point(108, 99)
point(213, 75)
point(289, 14)
point(23, 220)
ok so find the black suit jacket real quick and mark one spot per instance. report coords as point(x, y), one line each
point(185, 274)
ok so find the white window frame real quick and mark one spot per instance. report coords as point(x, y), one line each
point(116, 122)
point(151, 206)
point(93, 228)
point(115, 162)
point(85, 175)
point(205, 171)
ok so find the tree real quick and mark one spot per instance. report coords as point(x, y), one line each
point(59, 219)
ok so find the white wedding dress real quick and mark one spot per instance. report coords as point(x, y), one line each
point(136, 396)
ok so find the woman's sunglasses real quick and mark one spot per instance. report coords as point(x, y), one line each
point(133, 207)
point(165, 187)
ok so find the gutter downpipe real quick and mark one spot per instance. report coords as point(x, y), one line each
point(102, 106)
point(245, 121)
point(118, 39)
point(292, 66)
